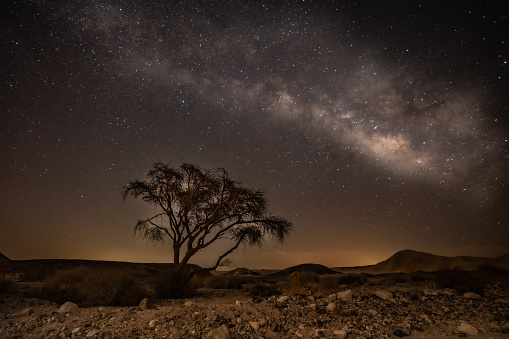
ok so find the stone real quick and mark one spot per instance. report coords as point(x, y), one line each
point(282, 299)
point(26, 311)
point(331, 307)
point(332, 297)
point(91, 333)
point(76, 330)
point(152, 323)
point(255, 325)
point(340, 333)
point(471, 295)
point(345, 295)
point(270, 334)
point(218, 333)
point(189, 303)
point(68, 307)
point(146, 304)
point(384, 294)
point(468, 329)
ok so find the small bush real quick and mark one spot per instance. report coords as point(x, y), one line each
point(91, 287)
point(6, 286)
point(216, 282)
point(263, 290)
point(329, 282)
point(460, 281)
point(166, 287)
point(352, 279)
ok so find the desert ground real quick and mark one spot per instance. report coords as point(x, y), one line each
point(305, 301)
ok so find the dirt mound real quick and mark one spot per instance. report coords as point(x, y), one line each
point(314, 268)
point(4, 258)
point(241, 271)
point(413, 261)
point(501, 262)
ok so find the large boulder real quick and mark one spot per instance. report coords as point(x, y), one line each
point(68, 307)
point(146, 304)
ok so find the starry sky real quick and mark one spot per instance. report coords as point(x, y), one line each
point(374, 126)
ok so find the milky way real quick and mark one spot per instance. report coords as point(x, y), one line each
point(372, 127)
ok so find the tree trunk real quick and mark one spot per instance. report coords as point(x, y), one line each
point(176, 255)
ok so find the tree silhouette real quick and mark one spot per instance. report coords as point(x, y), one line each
point(196, 208)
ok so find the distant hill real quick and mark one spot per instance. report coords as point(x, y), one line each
point(412, 261)
point(40, 269)
point(4, 258)
point(499, 262)
point(241, 271)
point(315, 268)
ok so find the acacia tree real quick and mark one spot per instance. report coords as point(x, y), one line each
point(197, 207)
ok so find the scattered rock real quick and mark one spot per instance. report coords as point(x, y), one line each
point(255, 325)
point(26, 311)
point(340, 333)
point(152, 323)
point(218, 333)
point(269, 334)
point(68, 307)
point(332, 297)
point(282, 299)
point(91, 333)
point(468, 329)
point(331, 307)
point(471, 295)
point(146, 304)
point(76, 330)
point(344, 296)
point(384, 294)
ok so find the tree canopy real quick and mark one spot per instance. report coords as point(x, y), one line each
point(197, 207)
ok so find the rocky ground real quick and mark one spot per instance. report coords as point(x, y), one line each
point(367, 312)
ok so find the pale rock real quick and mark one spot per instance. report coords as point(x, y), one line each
point(68, 307)
point(468, 329)
point(262, 321)
point(312, 306)
point(384, 294)
point(91, 333)
point(26, 311)
point(218, 333)
point(152, 323)
point(270, 334)
point(331, 307)
point(255, 325)
point(238, 303)
point(332, 297)
point(345, 295)
point(471, 295)
point(373, 312)
point(146, 304)
point(340, 333)
point(282, 299)
point(189, 303)
point(311, 298)
point(76, 330)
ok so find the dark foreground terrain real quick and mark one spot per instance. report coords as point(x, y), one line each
point(305, 304)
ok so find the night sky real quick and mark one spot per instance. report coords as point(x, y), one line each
point(374, 126)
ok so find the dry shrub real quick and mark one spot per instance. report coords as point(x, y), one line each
point(301, 281)
point(6, 286)
point(460, 281)
point(167, 288)
point(263, 290)
point(91, 287)
point(216, 282)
